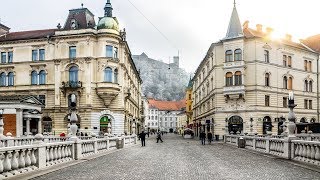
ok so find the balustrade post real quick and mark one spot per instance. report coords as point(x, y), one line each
point(77, 150)
point(41, 153)
point(254, 143)
point(10, 140)
point(287, 148)
point(95, 145)
point(108, 143)
point(268, 145)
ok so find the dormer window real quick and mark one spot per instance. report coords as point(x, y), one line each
point(73, 24)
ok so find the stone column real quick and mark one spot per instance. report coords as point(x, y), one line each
point(39, 125)
point(19, 122)
point(28, 126)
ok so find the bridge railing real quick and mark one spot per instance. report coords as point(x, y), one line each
point(289, 148)
point(15, 160)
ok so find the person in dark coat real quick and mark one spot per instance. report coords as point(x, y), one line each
point(159, 137)
point(142, 136)
point(209, 137)
point(203, 138)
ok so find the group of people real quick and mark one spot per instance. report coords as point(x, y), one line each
point(143, 135)
point(203, 137)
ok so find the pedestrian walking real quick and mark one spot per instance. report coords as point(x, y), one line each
point(142, 136)
point(209, 137)
point(203, 138)
point(159, 137)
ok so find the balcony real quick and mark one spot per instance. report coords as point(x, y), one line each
point(234, 64)
point(72, 84)
point(234, 92)
point(108, 91)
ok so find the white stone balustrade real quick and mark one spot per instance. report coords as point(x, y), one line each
point(300, 150)
point(42, 152)
point(306, 151)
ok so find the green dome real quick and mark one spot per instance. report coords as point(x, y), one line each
point(108, 23)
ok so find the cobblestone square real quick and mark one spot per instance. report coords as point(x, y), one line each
point(178, 158)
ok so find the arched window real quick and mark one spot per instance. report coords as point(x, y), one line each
point(284, 60)
point(306, 85)
point(152, 124)
point(229, 56)
point(3, 79)
point(285, 82)
point(34, 78)
point(42, 77)
point(73, 74)
point(10, 79)
point(237, 78)
point(238, 55)
point(310, 86)
point(290, 83)
point(266, 56)
point(108, 75)
point(116, 76)
point(267, 79)
point(229, 79)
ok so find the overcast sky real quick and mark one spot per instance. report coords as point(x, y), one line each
point(190, 25)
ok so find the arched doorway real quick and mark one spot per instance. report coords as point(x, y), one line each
point(302, 126)
point(47, 124)
point(235, 124)
point(105, 121)
point(267, 124)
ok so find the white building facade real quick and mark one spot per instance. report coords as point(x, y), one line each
point(242, 84)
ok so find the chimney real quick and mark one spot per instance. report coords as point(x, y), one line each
point(269, 30)
point(245, 25)
point(288, 37)
point(259, 27)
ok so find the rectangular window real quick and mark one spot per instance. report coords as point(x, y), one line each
point(42, 99)
point(115, 52)
point(267, 100)
point(10, 57)
point(284, 60)
point(310, 104)
point(72, 52)
point(3, 57)
point(305, 65)
point(109, 51)
point(285, 102)
point(42, 54)
point(309, 66)
point(306, 104)
point(34, 55)
point(289, 61)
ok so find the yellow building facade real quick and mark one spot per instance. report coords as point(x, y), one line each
point(91, 61)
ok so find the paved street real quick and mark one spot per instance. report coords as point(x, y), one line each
point(178, 158)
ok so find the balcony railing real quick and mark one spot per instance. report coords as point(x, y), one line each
point(234, 64)
point(72, 84)
point(229, 90)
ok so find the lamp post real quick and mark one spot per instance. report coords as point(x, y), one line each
point(1, 124)
point(251, 125)
point(291, 126)
point(226, 127)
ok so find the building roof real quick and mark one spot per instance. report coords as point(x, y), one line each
point(20, 99)
point(252, 33)
point(2, 26)
point(234, 28)
point(25, 35)
point(79, 19)
point(167, 105)
point(312, 42)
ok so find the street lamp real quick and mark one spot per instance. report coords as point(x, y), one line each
point(251, 125)
point(291, 126)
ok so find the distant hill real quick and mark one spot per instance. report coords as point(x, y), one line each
point(161, 81)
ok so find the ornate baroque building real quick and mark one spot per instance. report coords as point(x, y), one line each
point(243, 82)
point(91, 61)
